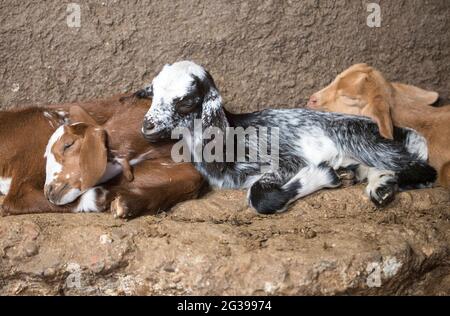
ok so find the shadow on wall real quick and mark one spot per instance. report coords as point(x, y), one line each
point(261, 53)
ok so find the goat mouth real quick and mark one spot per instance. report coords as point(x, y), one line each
point(63, 196)
point(153, 136)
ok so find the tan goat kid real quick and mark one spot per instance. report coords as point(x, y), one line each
point(362, 90)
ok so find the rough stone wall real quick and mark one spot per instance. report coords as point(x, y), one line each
point(261, 53)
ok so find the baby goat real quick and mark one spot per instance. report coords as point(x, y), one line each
point(312, 145)
point(24, 134)
point(363, 90)
point(85, 154)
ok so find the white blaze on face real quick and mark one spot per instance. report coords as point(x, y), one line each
point(52, 168)
point(174, 81)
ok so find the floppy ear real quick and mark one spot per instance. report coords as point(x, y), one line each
point(78, 114)
point(415, 96)
point(93, 157)
point(360, 82)
point(146, 93)
point(378, 110)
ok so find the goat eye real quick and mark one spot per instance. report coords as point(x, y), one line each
point(185, 106)
point(68, 145)
point(350, 100)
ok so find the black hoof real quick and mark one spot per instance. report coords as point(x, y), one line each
point(270, 198)
point(384, 194)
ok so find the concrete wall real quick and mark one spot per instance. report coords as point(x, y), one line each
point(260, 53)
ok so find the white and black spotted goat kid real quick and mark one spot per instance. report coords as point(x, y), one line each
point(312, 144)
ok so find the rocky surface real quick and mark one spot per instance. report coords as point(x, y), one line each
point(261, 53)
point(333, 242)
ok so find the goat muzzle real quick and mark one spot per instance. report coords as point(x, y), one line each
point(312, 102)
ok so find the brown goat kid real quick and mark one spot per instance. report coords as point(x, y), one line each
point(24, 134)
point(362, 90)
point(85, 154)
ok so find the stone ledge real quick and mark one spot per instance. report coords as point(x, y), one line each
point(333, 242)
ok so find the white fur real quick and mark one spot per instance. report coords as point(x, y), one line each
point(174, 80)
point(5, 184)
point(311, 179)
point(417, 144)
point(88, 201)
point(377, 178)
point(69, 197)
point(317, 148)
point(53, 168)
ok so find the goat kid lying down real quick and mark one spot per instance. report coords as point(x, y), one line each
point(136, 176)
point(312, 145)
point(24, 134)
point(362, 90)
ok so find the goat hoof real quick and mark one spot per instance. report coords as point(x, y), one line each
point(347, 177)
point(383, 195)
point(119, 209)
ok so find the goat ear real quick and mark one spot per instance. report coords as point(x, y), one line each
point(360, 82)
point(378, 110)
point(415, 96)
point(78, 114)
point(93, 157)
point(146, 93)
point(149, 91)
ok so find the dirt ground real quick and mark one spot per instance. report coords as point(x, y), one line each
point(261, 53)
point(333, 242)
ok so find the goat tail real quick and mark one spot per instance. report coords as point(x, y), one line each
point(444, 176)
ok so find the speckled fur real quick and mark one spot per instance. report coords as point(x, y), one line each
point(311, 146)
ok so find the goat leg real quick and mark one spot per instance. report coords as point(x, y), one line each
point(347, 176)
point(126, 169)
point(128, 205)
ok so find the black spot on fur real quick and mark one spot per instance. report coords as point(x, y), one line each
point(335, 179)
point(416, 175)
point(268, 199)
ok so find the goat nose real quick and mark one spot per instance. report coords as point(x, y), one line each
point(49, 192)
point(312, 101)
point(148, 125)
point(49, 189)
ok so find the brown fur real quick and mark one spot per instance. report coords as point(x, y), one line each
point(157, 184)
point(362, 90)
point(25, 133)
